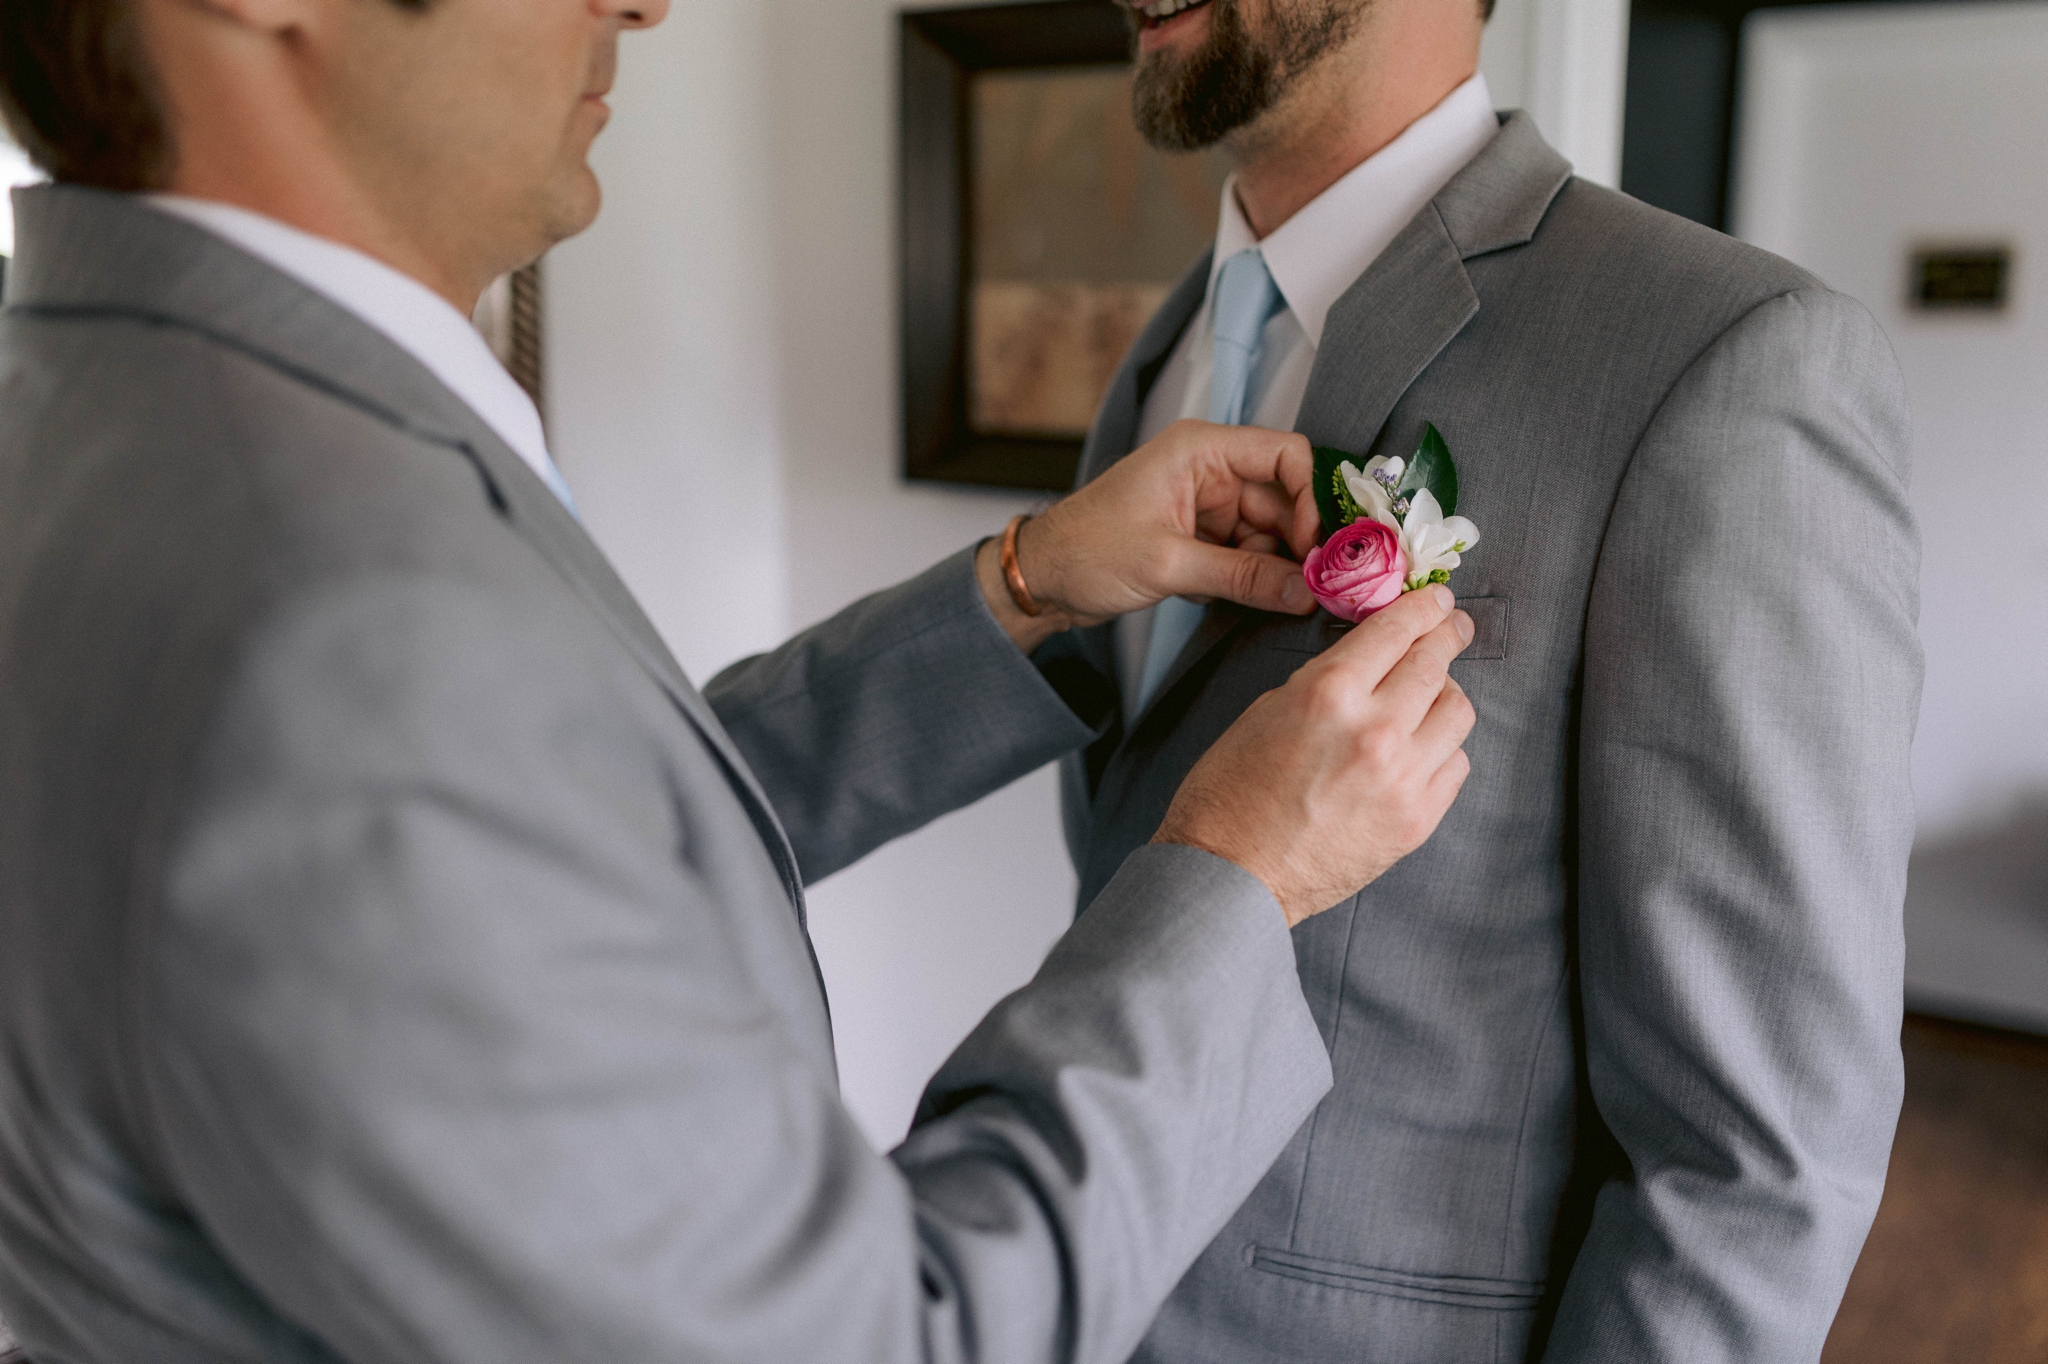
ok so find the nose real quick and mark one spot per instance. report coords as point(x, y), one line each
point(632, 13)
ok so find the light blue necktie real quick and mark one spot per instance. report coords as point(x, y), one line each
point(1246, 299)
point(551, 475)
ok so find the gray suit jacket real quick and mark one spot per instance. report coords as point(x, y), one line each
point(404, 963)
point(1617, 1051)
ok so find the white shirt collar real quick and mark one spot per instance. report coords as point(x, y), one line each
point(419, 320)
point(1322, 250)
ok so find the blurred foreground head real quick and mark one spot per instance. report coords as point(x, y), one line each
point(448, 137)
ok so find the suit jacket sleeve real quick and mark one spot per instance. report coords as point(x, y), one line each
point(1752, 680)
point(907, 705)
point(451, 1048)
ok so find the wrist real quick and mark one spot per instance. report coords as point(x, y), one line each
point(1170, 834)
point(1026, 630)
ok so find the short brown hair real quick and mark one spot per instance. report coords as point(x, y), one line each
point(78, 93)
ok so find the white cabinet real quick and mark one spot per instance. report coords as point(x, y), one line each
point(14, 170)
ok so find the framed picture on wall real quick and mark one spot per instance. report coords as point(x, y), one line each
point(1039, 233)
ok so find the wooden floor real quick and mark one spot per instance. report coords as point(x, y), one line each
point(1956, 1269)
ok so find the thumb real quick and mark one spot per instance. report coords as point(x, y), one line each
point(1265, 582)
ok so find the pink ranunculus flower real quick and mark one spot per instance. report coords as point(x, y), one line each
point(1358, 570)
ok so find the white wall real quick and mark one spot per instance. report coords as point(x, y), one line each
point(723, 398)
point(664, 377)
point(1566, 63)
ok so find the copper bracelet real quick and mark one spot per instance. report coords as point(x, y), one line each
point(1013, 575)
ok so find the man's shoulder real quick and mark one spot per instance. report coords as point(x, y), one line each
point(133, 418)
point(173, 484)
point(1607, 248)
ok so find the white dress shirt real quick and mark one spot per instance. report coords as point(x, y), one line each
point(1314, 257)
point(421, 322)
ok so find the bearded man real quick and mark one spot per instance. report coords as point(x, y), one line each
point(1617, 1054)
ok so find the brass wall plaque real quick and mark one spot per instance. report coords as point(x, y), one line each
point(1973, 278)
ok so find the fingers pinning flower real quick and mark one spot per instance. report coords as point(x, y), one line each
point(1431, 542)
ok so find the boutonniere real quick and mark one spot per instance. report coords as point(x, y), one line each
point(1389, 528)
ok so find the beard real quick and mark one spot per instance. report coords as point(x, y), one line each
point(1185, 105)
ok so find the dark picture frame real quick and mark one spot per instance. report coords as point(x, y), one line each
point(942, 50)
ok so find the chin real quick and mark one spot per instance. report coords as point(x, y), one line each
point(574, 205)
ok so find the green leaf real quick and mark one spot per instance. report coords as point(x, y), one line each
point(1333, 499)
point(1432, 468)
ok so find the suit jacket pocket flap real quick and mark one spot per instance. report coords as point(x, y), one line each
point(1498, 1295)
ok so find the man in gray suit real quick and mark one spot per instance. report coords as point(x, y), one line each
point(403, 962)
point(1617, 1054)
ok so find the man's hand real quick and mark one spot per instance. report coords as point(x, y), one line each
point(1201, 511)
point(1328, 781)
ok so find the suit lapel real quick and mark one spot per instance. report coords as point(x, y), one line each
point(541, 519)
point(147, 264)
point(1413, 301)
point(1385, 329)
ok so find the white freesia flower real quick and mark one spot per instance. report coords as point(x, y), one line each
point(1369, 493)
point(1432, 540)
